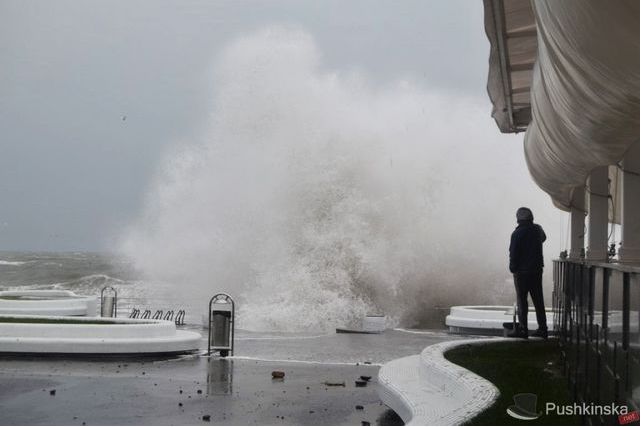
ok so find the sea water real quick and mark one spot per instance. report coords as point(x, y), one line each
point(85, 273)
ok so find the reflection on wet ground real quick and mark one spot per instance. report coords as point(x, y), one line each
point(335, 348)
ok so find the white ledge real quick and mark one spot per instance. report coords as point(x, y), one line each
point(427, 389)
point(47, 303)
point(93, 335)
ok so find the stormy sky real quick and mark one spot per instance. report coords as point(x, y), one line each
point(92, 93)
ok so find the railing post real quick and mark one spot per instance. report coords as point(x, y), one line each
point(599, 371)
point(626, 311)
point(606, 306)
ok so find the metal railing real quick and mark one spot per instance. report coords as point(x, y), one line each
point(596, 314)
point(179, 318)
point(158, 308)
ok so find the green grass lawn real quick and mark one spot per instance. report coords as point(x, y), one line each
point(530, 366)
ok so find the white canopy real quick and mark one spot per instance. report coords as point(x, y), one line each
point(584, 93)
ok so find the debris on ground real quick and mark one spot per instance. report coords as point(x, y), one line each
point(365, 377)
point(278, 374)
point(360, 383)
point(335, 383)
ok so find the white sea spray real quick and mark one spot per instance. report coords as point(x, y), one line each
point(316, 198)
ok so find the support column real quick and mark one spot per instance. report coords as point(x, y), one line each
point(630, 208)
point(598, 214)
point(577, 231)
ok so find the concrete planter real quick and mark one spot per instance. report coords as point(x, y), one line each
point(488, 319)
point(48, 303)
point(92, 335)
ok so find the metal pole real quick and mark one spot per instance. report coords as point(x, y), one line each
point(210, 325)
point(232, 328)
point(626, 311)
point(606, 306)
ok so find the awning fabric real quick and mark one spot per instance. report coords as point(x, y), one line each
point(511, 31)
point(584, 92)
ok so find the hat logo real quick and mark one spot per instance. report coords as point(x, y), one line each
point(524, 407)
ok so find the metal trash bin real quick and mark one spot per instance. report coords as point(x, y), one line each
point(221, 325)
point(108, 303)
point(107, 306)
point(220, 328)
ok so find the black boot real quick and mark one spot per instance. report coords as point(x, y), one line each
point(518, 332)
point(540, 333)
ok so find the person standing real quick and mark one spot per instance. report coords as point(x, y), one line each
point(526, 264)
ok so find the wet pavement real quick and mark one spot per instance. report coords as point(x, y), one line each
point(336, 348)
point(197, 390)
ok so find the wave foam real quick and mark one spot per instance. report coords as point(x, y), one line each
point(12, 263)
point(316, 199)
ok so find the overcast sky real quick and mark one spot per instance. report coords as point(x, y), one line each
point(73, 172)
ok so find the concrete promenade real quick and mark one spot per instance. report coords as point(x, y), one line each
point(196, 390)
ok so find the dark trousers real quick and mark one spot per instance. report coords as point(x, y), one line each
point(530, 283)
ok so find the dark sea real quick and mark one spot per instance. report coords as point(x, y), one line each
point(87, 273)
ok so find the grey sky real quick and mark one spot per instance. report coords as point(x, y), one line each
point(72, 172)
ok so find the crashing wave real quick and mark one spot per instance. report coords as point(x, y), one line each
point(316, 198)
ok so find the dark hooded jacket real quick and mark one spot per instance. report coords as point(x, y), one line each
point(526, 248)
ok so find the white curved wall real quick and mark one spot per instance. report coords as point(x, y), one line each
point(489, 317)
point(48, 303)
point(124, 336)
point(427, 389)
